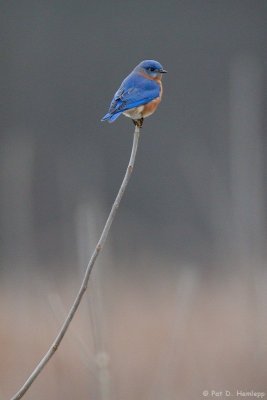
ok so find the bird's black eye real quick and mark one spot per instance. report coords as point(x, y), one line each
point(151, 69)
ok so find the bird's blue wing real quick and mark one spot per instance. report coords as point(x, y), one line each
point(134, 91)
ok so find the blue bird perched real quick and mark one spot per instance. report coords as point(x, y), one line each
point(139, 94)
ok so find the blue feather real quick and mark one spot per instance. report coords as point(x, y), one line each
point(134, 91)
point(114, 116)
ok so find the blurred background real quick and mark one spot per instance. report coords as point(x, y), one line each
point(177, 300)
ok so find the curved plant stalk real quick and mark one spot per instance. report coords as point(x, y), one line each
point(88, 271)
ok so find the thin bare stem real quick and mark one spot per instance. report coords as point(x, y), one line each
point(89, 268)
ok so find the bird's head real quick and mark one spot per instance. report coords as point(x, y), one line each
point(152, 68)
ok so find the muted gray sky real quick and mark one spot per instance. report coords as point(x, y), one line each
point(61, 63)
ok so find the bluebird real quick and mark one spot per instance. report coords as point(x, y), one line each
point(139, 94)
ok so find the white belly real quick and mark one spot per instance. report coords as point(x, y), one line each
point(134, 113)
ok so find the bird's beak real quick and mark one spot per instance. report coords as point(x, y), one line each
point(163, 71)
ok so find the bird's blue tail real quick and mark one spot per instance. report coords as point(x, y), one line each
point(111, 117)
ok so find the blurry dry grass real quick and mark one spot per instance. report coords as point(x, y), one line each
point(167, 338)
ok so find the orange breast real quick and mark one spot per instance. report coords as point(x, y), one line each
point(150, 107)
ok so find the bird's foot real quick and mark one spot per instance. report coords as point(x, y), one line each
point(138, 122)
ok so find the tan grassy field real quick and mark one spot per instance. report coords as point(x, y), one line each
point(163, 338)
